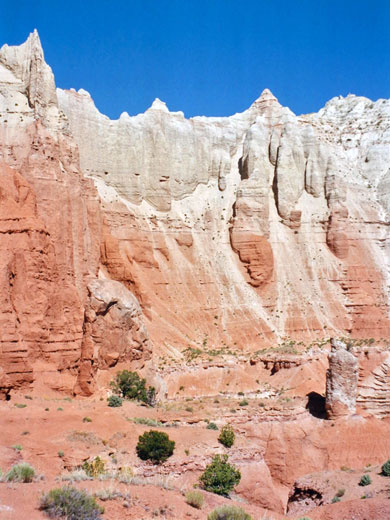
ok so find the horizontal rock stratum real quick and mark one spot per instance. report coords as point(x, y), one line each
point(240, 230)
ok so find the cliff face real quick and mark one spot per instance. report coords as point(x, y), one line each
point(230, 231)
point(246, 229)
point(50, 228)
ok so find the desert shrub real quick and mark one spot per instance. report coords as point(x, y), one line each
point(130, 386)
point(87, 419)
point(17, 447)
point(147, 421)
point(335, 499)
point(110, 493)
point(386, 468)
point(365, 480)
point(76, 475)
point(94, 468)
point(195, 499)
point(61, 453)
point(229, 513)
point(340, 493)
point(212, 426)
point(125, 475)
point(20, 473)
point(220, 477)
point(114, 401)
point(244, 402)
point(226, 437)
point(70, 503)
point(155, 446)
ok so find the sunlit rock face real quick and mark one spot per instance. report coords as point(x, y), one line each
point(233, 231)
point(341, 381)
point(50, 229)
point(245, 229)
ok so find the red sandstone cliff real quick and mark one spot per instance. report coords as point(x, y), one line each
point(234, 231)
point(51, 232)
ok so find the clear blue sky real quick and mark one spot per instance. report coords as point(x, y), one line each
point(209, 57)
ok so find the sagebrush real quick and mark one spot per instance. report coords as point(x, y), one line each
point(114, 401)
point(229, 513)
point(70, 503)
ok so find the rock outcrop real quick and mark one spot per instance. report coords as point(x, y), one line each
point(50, 228)
point(341, 381)
point(374, 381)
point(273, 223)
point(230, 231)
point(114, 332)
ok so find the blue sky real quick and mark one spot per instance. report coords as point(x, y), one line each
point(209, 57)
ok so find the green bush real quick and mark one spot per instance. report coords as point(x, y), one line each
point(94, 468)
point(114, 401)
point(386, 468)
point(220, 477)
point(335, 499)
point(212, 426)
point(365, 480)
point(244, 402)
point(20, 473)
point(229, 513)
point(70, 503)
point(155, 446)
point(195, 499)
point(130, 386)
point(226, 437)
point(340, 493)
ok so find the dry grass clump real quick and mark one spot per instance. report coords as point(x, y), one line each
point(195, 499)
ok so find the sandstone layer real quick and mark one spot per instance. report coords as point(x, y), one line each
point(50, 229)
point(341, 381)
point(232, 232)
point(245, 229)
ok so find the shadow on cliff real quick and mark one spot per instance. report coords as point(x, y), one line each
point(316, 405)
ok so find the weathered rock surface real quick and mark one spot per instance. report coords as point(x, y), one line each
point(236, 230)
point(341, 381)
point(50, 228)
point(274, 223)
point(114, 332)
point(374, 382)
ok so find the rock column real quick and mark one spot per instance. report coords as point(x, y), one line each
point(341, 381)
